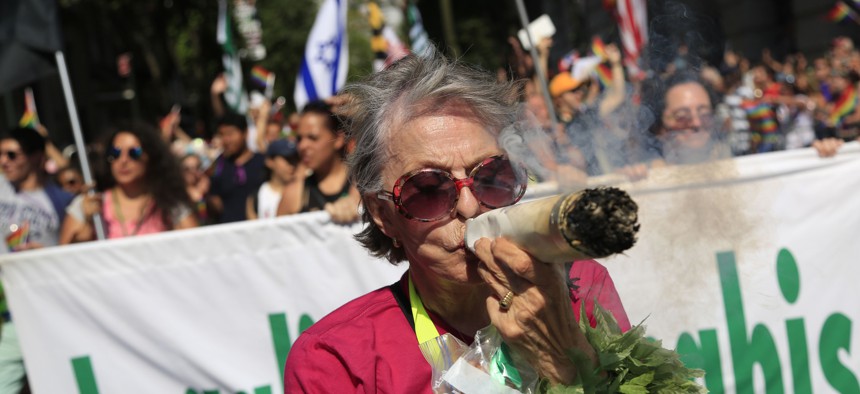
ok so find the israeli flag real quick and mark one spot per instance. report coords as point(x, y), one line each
point(326, 60)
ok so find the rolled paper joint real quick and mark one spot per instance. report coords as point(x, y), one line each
point(591, 223)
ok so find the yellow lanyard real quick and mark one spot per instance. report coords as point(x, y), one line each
point(502, 368)
point(425, 330)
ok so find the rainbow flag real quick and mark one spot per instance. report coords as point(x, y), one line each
point(841, 12)
point(260, 76)
point(18, 236)
point(845, 105)
point(604, 75)
point(30, 119)
point(598, 47)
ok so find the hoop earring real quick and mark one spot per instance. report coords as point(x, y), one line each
point(395, 242)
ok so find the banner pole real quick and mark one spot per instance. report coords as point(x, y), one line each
point(79, 137)
point(524, 19)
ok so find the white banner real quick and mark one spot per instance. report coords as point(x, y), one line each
point(748, 267)
point(745, 265)
point(194, 311)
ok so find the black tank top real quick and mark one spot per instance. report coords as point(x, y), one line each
point(313, 199)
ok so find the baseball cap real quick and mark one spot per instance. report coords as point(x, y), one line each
point(561, 83)
point(284, 148)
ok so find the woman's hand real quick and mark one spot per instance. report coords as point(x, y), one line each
point(219, 85)
point(343, 211)
point(827, 147)
point(92, 204)
point(634, 172)
point(539, 323)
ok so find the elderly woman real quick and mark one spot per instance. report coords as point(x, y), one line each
point(427, 159)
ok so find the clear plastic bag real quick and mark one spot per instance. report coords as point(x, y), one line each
point(488, 366)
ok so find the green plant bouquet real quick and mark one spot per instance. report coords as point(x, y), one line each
point(629, 363)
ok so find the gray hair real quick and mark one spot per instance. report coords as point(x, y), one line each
point(412, 87)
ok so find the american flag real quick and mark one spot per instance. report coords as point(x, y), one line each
point(633, 27)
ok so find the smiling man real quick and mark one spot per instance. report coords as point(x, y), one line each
point(31, 206)
point(31, 210)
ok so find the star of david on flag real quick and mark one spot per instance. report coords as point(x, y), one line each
point(326, 60)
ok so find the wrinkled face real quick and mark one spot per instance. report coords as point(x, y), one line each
point(688, 118)
point(452, 141)
point(318, 145)
point(232, 139)
point(127, 167)
point(16, 165)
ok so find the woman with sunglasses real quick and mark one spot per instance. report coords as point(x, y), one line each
point(142, 193)
point(426, 159)
point(685, 129)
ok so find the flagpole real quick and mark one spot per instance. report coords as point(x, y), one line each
point(79, 138)
point(270, 85)
point(545, 88)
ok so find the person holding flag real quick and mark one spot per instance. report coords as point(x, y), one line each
point(265, 79)
point(326, 60)
point(593, 129)
point(30, 120)
point(843, 118)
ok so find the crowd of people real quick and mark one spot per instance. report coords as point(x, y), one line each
point(628, 124)
point(264, 164)
point(332, 155)
point(149, 180)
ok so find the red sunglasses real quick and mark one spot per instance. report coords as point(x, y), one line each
point(430, 194)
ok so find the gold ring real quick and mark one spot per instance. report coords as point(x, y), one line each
point(505, 303)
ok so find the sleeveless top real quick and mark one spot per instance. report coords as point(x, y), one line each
point(313, 199)
point(150, 224)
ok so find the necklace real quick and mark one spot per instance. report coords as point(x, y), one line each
point(121, 218)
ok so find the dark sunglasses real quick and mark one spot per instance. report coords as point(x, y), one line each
point(133, 153)
point(430, 194)
point(11, 154)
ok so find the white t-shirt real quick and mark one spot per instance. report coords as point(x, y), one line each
point(267, 201)
point(31, 207)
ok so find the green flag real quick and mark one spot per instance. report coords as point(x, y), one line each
point(235, 94)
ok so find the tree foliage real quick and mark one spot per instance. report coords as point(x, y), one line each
point(175, 55)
